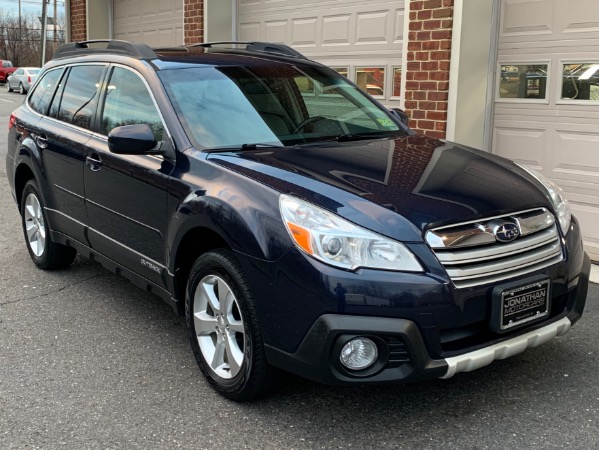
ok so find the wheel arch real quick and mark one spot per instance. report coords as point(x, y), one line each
point(23, 174)
point(195, 242)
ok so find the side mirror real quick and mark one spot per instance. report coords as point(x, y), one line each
point(133, 140)
point(401, 115)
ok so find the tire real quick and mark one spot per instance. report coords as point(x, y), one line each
point(22, 89)
point(44, 253)
point(223, 327)
point(8, 88)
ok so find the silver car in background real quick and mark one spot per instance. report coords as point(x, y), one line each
point(22, 79)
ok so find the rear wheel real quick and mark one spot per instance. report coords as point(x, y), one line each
point(44, 253)
point(223, 327)
point(22, 89)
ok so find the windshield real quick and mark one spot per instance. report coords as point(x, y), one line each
point(223, 107)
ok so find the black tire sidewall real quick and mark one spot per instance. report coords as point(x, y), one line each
point(32, 188)
point(220, 263)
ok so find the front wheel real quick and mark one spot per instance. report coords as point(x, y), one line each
point(44, 253)
point(223, 327)
point(8, 88)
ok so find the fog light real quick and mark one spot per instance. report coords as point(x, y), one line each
point(359, 353)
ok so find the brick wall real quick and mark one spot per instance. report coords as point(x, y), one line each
point(78, 26)
point(427, 66)
point(193, 21)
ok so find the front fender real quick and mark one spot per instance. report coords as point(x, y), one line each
point(243, 212)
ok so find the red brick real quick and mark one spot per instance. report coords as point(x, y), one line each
point(441, 126)
point(436, 115)
point(427, 85)
point(447, 2)
point(423, 35)
point(441, 106)
point(422, 56)
point(436, 95)
point(412, 85)
point(439, 76)
point(440, 55)
point(443, 85)
point(418, 114)
point(421, 75)
point(426, 105)
point(432, 24)
point(423, 15)
point(446, 23)
point(426, 124)
point(415, 6)
point(443, 12)
point(412, 36)
point(430, 65)
point(413, 65)
point(416, 45)
point(414, 26)
point(411, 104)
point(441, 34)
point(444, 45)
point(432, 4)
point(413, 15)
point(443, 65)
point(430, 45)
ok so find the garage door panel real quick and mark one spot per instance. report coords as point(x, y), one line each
point(336, 30)
point(520, 144)
point(526, 17)
point(559, 137)
point(155, 22)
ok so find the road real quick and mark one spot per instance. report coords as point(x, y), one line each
point(89, 361)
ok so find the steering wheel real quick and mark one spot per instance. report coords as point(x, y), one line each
point(309, 120)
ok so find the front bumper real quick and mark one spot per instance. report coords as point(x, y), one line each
point(405, 355)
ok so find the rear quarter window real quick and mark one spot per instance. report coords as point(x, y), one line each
point(79, 96)
point(42, 95)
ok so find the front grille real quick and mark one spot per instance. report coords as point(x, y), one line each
point(472, 255)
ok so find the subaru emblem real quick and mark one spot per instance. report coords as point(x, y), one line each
point(506, 232)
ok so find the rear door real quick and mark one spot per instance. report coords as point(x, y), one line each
point(66, 131)
point(126, 195)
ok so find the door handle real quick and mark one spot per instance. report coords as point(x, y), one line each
point(94, 162)
point(41, 140)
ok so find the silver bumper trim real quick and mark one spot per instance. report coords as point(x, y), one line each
point(485, 356)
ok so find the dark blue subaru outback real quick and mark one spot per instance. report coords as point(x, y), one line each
point(292, 219)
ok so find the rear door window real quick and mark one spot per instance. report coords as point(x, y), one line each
point(80, 94)
point(41, 96)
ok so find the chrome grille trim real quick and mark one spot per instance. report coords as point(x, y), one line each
point(480, 232)
point(539, 246)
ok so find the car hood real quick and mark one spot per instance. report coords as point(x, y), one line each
point(397, 187)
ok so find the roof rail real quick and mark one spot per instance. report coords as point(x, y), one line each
point(259, 47)
point(133, 49)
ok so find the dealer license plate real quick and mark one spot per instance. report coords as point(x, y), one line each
point(524, 304)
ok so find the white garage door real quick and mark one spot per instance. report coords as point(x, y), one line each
point(547, 98)
point(360, 39)
point(155, 22)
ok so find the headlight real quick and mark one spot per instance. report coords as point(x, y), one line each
point(335, 241)
point(558, 198)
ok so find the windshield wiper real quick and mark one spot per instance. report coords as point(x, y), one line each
point(358, 136)
point(253, 146)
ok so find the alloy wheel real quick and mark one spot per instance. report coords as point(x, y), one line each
point(219, 326)
point(34, 225)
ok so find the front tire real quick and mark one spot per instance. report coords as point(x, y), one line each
point(8, 88)
point(223, 327)
point(44, 253)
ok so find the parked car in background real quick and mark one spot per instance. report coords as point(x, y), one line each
point(6, 68)
point(22, 79)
